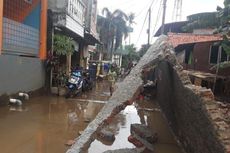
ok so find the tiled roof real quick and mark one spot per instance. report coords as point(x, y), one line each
point(189, 38)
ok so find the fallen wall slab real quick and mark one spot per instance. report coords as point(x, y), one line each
point(186, 107)
point(124, 94)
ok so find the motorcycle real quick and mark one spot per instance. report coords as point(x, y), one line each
point(87, 82)
point(74, 84)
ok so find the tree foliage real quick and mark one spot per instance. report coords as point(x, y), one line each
point(132, 55)
point(113, 26)
point(202, 20)
point(143, 49)
point(224, 15)
point(63, 45)
point(226, 3)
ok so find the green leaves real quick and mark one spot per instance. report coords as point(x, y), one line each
point(226, 45)
point(202, 20)
point(63, 45)
point(226, 3)
point(114, 27)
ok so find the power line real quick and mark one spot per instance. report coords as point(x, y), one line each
point(142, 27)
point(144, 8)
point(157, 19)
point(177, 11)
point(127, 8)
point(144, 21)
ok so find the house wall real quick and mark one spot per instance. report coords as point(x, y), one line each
point(21, 27)
point(20, 74)
point(18, 10)
point(186, 111)
point(201, 55)
point(21, 41)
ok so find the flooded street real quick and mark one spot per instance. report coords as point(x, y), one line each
point(45, 124)
point(145, 112)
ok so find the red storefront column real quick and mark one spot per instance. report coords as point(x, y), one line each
point(1, 24)
point(43, 30)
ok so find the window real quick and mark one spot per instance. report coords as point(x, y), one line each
point(214, 55)
point(189, 54)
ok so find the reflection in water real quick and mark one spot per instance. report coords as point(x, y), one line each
point(144, 112)
point(19, 108)
point(44, 124)
point(121, 128)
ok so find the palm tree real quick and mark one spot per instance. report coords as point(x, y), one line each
point(113, 28)
point(131, 18)
point(120, 20)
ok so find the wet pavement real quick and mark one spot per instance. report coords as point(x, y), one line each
point(44, 124)
point(146, 112)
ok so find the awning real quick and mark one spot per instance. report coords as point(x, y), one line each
point(90, 39)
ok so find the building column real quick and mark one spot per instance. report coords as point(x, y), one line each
point(1, 25)
point(43, 30)
point(68, 64)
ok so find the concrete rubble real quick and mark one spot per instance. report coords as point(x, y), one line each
point(147, 137)
point(123, 151)
point(188, 108)
point(144, 133)
point(106, 135)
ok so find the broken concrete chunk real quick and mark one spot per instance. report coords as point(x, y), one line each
point(123, 151)
point(80, 132)
point(135, 141)
point(106, 135)
point(70, 142)
point(87, 120)
point(144, 133)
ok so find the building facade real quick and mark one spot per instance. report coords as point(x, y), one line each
point(22, 45)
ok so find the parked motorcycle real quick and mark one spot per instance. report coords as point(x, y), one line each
point(87, 82)
point(74, 84)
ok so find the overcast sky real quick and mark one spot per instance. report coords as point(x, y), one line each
point(140, 8)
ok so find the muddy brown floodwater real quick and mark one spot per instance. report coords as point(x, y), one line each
point(145, 112)
point(44, 124)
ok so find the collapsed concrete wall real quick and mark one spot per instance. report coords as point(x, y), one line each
point(189, 109)
point(186, 107)
point(200, 123)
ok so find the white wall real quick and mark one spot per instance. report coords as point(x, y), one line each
point(20, 74)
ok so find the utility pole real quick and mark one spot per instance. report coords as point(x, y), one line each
point(177, 11)
point(149, 28)
point(163, 18)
